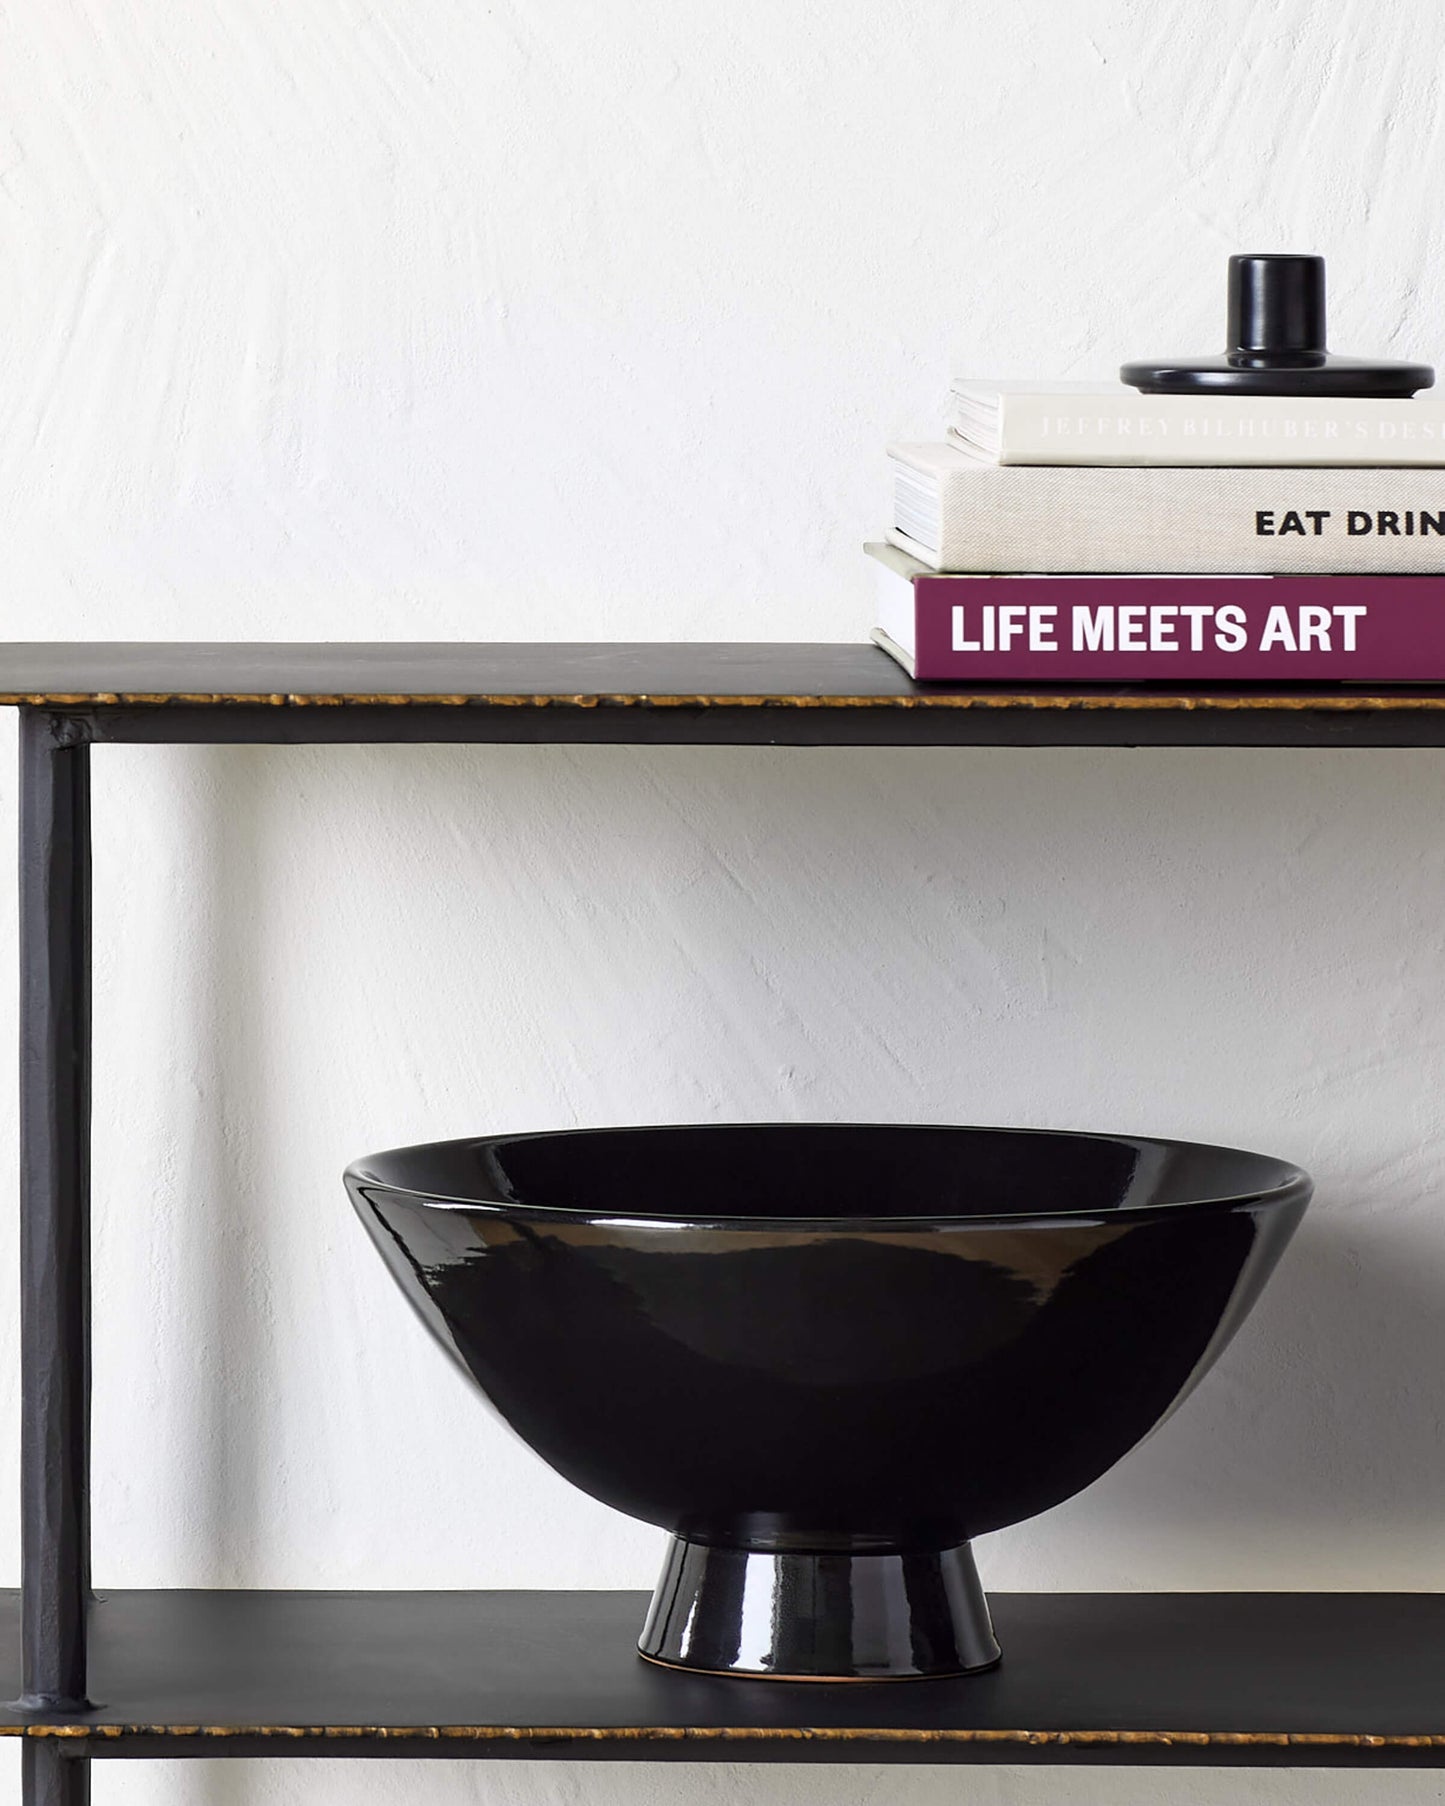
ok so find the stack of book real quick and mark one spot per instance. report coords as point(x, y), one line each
point(1084, 533)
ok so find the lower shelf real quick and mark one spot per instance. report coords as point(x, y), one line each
point(1299, 1679)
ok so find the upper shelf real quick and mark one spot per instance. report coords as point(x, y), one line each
point(811, 694)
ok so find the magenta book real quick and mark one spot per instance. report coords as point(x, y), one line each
point(1050, 629)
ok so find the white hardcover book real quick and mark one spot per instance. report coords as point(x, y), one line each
point(1107, 423)
point(957, 514)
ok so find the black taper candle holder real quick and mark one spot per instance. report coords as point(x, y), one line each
point(1276, 332)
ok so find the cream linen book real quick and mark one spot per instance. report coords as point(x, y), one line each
point(1106, 423)
point(955, 514)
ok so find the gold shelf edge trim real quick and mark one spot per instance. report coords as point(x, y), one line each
point(1331, 702)
point(744, 1734)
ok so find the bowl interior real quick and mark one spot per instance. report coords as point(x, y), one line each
point(827, 1171)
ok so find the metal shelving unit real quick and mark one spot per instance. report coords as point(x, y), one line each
point(1311, 1679)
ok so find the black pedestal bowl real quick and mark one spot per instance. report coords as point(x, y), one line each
point(826, 1356)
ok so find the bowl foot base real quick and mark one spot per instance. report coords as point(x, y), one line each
point(819, 1617)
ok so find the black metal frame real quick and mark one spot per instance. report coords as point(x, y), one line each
point(54, 1233)
point(55, 929)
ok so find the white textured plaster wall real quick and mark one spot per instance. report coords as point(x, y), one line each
point(340, 319)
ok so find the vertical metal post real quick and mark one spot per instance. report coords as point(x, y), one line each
point(49, 1778)
point(54, 1234)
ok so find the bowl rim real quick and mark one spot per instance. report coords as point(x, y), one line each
point(1292, 1185)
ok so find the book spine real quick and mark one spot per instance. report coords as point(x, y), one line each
point(1185, 430)
point(1258, 521)
point(1179, 629)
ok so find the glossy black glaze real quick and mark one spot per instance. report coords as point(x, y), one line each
point(828, 1338)
point(834, 1615)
